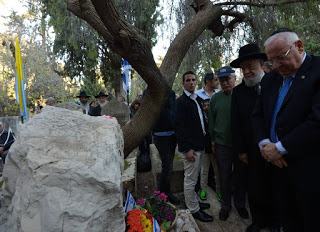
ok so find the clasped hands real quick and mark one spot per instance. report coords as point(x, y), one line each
point(271, 154)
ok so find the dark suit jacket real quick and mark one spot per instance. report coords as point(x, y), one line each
point(242, 104)
point(297, 124)
point(187, 124)
point(3, 139)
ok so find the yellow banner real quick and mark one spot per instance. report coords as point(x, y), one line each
point(19, 65)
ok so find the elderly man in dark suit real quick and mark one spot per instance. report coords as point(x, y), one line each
point(251, 61)
point(286, 121)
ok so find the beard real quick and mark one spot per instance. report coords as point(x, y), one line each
point(256, 80)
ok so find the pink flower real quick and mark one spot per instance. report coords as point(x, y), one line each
point(163, 197)
point(110, 117)
point(156, 192)
point(141, 201)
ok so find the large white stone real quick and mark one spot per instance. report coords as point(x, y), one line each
point(63, 173)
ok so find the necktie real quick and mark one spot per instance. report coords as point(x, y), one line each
point(282, 94)
point(257, 88)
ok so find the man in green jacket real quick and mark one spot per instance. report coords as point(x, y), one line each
point(221, 140)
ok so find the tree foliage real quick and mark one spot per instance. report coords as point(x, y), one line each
point(83, 50)
point(41, 80)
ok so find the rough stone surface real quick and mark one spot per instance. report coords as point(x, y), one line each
point(118, 110)
point(176, 184)
point(64, 174)
point(69, 106)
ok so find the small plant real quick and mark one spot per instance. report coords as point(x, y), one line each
point(157, 206)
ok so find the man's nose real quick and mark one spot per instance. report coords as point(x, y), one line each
point(276, 64)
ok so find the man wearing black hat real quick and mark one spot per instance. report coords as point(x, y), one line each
point(244, 96)
point(286, 123)
point(102, 99)
point(221, 139)
point(84, 101)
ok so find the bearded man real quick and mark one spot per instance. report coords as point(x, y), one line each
point(244, 96)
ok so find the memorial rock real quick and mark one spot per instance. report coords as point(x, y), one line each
point(63, 173)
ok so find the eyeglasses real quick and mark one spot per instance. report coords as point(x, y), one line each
point(279, 58)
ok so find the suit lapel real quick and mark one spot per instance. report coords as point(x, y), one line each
point(299, 78)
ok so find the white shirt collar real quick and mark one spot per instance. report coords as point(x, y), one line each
point(192, 95)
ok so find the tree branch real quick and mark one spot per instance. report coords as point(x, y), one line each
point(238, 18)
point(207, 15)
point(261, 5)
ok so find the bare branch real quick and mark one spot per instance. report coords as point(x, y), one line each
point(261, 5)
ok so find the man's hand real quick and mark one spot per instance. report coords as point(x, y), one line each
point(190, 155)
point(1, 149)
point(243, 157)
point(213, 146)
point(280, 163)
point(270, 152)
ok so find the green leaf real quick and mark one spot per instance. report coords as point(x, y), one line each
point(165, 225)
point(149, 208)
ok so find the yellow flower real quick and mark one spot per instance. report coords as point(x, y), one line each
point(147, 226)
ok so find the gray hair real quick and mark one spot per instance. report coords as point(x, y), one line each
point(50, 100)
point(288, 37)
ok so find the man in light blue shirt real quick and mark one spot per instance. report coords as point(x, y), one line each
point(211, 87)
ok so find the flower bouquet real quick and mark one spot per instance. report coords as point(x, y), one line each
point(138, 221)
point(161, 210)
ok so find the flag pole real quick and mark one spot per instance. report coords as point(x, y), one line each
point(128, 98)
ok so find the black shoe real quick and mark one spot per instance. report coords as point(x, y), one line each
point(223, 214)
point(253, 228)
point(202, 216)
point(243, 212)
point(204, 205)
point(173, 199)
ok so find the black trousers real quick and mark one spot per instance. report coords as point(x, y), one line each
point(299, 208)
point(261, 194)
point(166, 146)
point(230, 167)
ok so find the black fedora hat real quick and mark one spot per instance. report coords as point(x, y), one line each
point(83, 94)
point(248, 52)
point(101, 94)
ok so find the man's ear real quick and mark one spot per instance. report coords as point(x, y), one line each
point(299, 45)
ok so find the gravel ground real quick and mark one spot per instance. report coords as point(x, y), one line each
point(145, 184)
